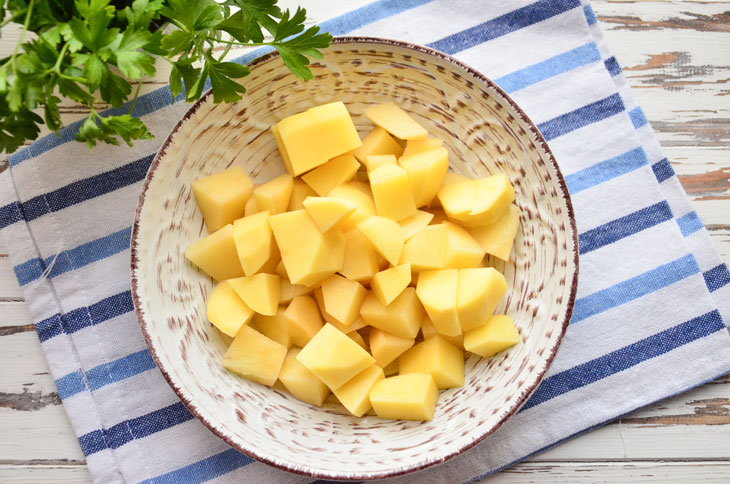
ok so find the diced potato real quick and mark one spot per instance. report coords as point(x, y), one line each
point(498, 334)
point(289, 291)
point(385, 235)
point(413, 224)
point(374, 161)
point(226, 310)
point(270, 265)
point(427, 249)
point(405, 397)
point(303, 319)
point(275, 327)
point(255, 356)
point(428, 330)
point(457, 197)
point(252, 207)
point(363, 186)
point(392, 192)
point(395, 121)
point(216, 255)
point(494, 194)
point(300, 382)
point(222, 196)
point(343, 298)
point(254, 241)
point(402, 317)
point(361, 260)
point(437, 291)
point(377, 142)
point(388, 284)
point(261, 292)
point(357, 338)
point(437, 357)
point(365, 205)
point(480, 290)
point(463, 250)
point(274, 195)
point(355, 394)
point(497, 238)
point(452, 177)
point(387, 347)
point(439, 216)
point(307, 140)
point(280, 269)
point(327, 212)
point(299, 192)
point(335, 172)
point(391, 369)
point(334, 357)
point(415, 146)
point(426, 171)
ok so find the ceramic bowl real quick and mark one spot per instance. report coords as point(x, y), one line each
point(484, 131)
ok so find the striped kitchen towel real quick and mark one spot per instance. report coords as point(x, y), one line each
point(653, 295)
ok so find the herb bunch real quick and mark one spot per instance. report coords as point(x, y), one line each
point(87, 48)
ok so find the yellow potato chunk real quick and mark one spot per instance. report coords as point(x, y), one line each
point(360, 260)
point(377, 142)
point(309, 255)
point(395, 121)
point(260, 292)
point(498, 334)
point(274, 327)
point(303, 319)
point(274, 195)
point(457, 197)
point(374, 161)
point(405, 397)
point(327, 212)
point(402, 317)
point(252, 207)
point(497, 238)
point(307, 140)
point(463, 250)
point(343, 298)
point(222, 196)
point(254, 241)
point(289, 291)
point(388, 284)
point(385, 235)
point(452, 177)
point(357, 338)
point(334, 357)
point(255, 356)
point(413, 224)
point(226, 310)
point(392, 192)
point(386, 347)
point(480, 290)
point(439, 216)
point(427, 249)
point(300, 382)
point(216, 255)
point(299, 192)
point(437, 357)
point(335, 172)
point(415, 146)
point(426, 171)
point(437, 291)
point(428, 330)
point(363, 201)
point(355, 394)
point(492, 198)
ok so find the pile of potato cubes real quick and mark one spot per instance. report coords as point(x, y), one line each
point(360, 272)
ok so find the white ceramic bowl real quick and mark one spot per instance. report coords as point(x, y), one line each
point(485, 132)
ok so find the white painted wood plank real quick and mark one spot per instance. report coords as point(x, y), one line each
point(24, 365)
point(13, 314)
point(9, 288)
point(44, 474)
point(41, 434)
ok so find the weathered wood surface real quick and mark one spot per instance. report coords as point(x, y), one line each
point(677, 59)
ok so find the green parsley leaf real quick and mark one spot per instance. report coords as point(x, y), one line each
point(131, 60)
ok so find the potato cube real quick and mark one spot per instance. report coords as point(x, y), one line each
point(300, 382)
point(388, 284)
point(274, 195)
point(261, 292)
point(355, 394)
point(385, 235)
point(428, 330)
point(377, 142)
point(334, 357)
point(493, 196)
point(402, 317)
point(360, 260)
point(457, 197)
point(437, 357)
point(452, 177)
point(480, 290)
point(463, 250)
point(498, 334)
point(405, 397)
point(374, 161)
point(255, 356)
point(413, 224)
point(395, 121)
point(439, 216)
point(274, 327)
point(335, 172)
point(327, 212)
point(343, 298)
point(254, 241)
point(392, 192)
point(357, 338)
point(226, 310)
point(497, 238)
point(222, 196)
point(289, 291)
point(363, 201)
point(299, 192)
point(387, 347)
point(216, 255)
point(427, 249)
point(415, 146)
point(426, 171)
point(437, 291)
point(307, 140)
point(303, 319)
point(252, 207)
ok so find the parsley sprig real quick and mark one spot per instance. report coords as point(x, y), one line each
point(86, 50)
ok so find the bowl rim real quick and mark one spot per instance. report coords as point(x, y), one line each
point(518, 403)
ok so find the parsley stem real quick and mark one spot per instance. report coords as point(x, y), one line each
point(57, 66)
point(136, 95)
point(248, 44)
point(22, 34)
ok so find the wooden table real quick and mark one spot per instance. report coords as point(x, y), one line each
point(676, 56)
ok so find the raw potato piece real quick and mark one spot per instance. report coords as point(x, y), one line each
point(395, 121)
point(437, 357)
point(365, 205)
point(289, 291)
point(274, 195)
point(255, 356)
point(361, 260)
point(387, 347)
point(334, 357)
point(385, 235)
point(254, 241)
point(343, 298)
point(402, 317)
point(427, 249)
point(405, 397)
point(355, 394)
point(252, 207)
point(275, 327)
point(392, 192)
point(300, 382)
point(498, 334)
point(303, 320)
point(497, 238)
point(357, 338)
point(377, 142)
point(300, 191)
point(388, 284)
point(327, 212)
point(428, 330)
point(335, 172)
point(216, 255)
point(261, 292)
point(480, 290)
point(437, 291)
point(413, 224)
point(414, 146)
point(374, 161)
point(226, 310)
point(426, 171)
point(494, 194)
point(222, 196)
point(463, 250)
